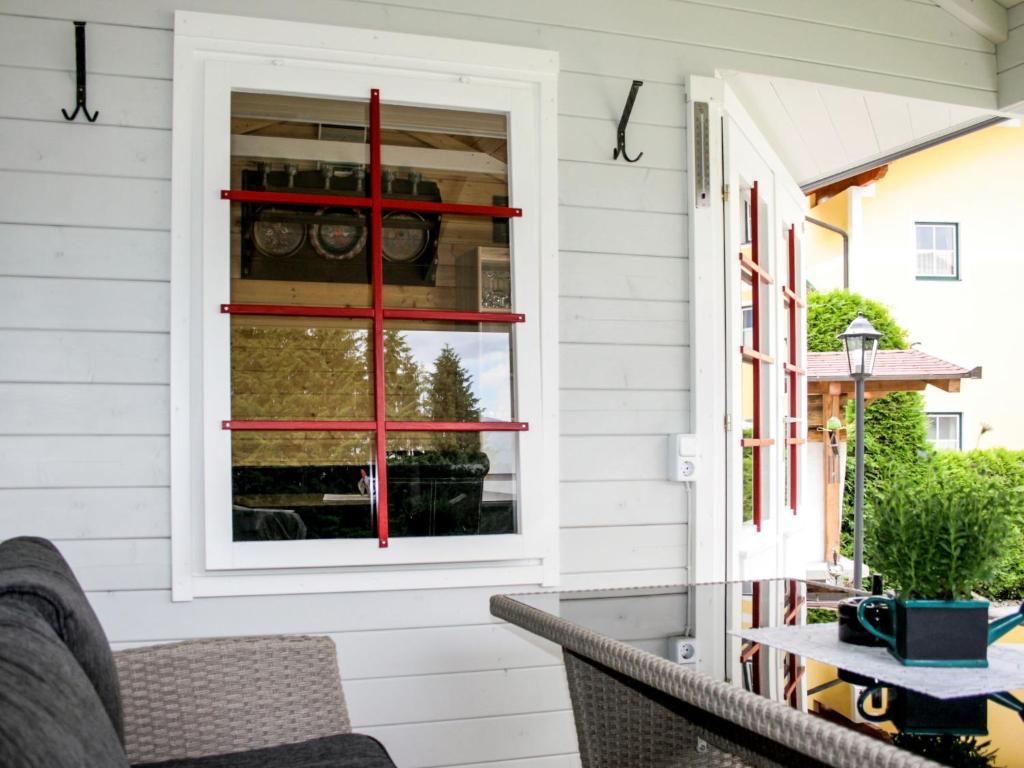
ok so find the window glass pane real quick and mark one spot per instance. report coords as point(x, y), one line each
point(448, 372)
point(748, 483)
point(933, 428)
point(925, 237)
point(302, 485)
point(281, 253)
point(452, 483)
point(942, 263)
point(444, 155)
point(944, 238)
point(948, 428)
point(446, 262)
point(301, 368)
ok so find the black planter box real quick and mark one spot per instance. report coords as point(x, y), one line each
point(941, 633)
point(853, 632)
point(923, 715)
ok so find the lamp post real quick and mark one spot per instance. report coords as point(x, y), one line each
point(860, 340)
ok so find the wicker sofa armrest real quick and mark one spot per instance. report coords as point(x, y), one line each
point(208, 697)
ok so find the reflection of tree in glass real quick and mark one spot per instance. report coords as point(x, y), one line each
point(403, 380)
point(450, 398)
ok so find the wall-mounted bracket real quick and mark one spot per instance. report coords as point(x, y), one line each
point(80, 92)
point(623, 122)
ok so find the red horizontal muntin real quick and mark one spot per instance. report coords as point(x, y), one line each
point(368, 312)
point(464, 317)
point(294, 198)
point(456, 426)
point(250, 425)
point(424, 206)
point(280, 309)
point(387, 204)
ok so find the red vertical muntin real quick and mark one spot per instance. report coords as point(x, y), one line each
point(755, 343)
point(793, 375)
point(377, 260)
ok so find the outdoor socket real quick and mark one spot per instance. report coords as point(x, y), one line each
point(682, 650)
point(683, 465)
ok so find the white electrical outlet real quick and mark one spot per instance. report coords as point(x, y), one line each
point(683, 464)
point(682, 650)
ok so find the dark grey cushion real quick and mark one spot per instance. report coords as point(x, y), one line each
point(34, 573)
point(349, 750)
point(50, 714)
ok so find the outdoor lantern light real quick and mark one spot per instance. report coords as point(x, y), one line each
point(861, 342)
point(860, 339)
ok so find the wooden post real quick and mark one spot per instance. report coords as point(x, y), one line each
point(832, 472)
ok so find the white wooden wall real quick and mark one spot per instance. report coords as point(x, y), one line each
point(84, 218)
point(1010, 63)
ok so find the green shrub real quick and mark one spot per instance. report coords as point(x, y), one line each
point(940, 530)
point(1008, 581)
point(894, 426)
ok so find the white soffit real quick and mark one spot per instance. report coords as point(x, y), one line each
point(822, 130)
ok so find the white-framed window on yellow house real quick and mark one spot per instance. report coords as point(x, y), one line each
point(945, 431)
point(938, 250)
point(360, 251)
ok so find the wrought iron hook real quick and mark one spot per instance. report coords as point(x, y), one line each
point(623, 122)
point(80, 77)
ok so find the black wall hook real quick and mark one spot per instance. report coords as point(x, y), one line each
point(623, 122)
point(80, 77)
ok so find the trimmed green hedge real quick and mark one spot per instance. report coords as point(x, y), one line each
point(894, 425)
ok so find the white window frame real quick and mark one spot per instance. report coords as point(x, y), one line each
point(954, 252)
point(214, 55)
point(938, 415)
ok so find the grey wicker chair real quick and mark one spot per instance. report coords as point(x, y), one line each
point(245, 702)
point(208, 697)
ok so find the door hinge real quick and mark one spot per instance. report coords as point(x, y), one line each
point(727, 422)
point(725, 193)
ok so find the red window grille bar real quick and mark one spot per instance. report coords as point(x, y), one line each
point(377, 257)
point(754, 352)
point(793, 371)
point(421, 206)
point(376, 204)
point(369, 312)
point(261, 425)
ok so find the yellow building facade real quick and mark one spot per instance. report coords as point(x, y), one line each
point(970, 190)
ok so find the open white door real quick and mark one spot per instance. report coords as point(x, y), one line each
point(748, 318)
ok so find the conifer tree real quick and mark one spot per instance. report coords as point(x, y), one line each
point(403, 380)
point(450, 398)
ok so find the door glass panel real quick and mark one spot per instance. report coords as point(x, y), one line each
point(452, 483)
point(302, 485)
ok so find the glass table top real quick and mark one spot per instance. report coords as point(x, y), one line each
point(692, 625)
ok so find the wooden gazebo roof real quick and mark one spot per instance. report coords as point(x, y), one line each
point(896, 370)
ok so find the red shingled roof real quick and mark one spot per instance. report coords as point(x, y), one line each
point(890, 364)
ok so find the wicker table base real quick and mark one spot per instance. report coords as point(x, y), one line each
point(622, 722)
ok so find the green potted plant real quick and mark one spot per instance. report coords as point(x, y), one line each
point(935, 534)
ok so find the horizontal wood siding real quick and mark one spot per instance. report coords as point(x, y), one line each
point(1010, 62)
point(84, 265)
